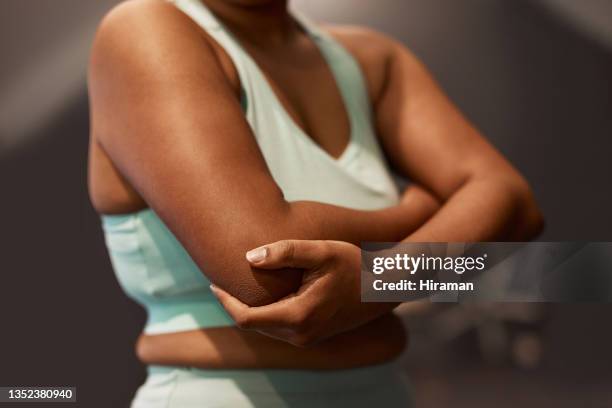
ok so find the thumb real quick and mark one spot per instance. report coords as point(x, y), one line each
point(290, 254)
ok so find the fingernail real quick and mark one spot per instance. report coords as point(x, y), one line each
point(257, 255)
point(213, 289)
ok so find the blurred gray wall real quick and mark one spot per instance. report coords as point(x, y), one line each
point(527, 73)
point(45, 46)
point(590, 17)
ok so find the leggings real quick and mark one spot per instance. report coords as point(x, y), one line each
point(377, 386)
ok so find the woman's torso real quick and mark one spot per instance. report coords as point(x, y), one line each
point(186, 325)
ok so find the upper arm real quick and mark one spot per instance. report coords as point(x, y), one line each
point(427, 139)
point(423, 133)
point(166, 115)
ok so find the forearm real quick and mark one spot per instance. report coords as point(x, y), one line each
point(484, 209)
point(487, 209)
point(223, 251)
point(354, 226)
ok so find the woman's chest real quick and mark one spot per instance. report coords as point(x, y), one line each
point(306, 88)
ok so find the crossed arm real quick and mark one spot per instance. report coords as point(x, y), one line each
point(483, 198)
point(426, 137)
point(165, 113)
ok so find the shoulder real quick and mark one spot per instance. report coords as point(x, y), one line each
point(362, 40)
point(149, 37)
point(140, 31)
point(136, 21)
point(375, 52)
point(368, 45)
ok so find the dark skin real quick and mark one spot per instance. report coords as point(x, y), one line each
point(168, 132)
point(165, 98)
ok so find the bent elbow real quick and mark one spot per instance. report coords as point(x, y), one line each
point(268, 286)
point(229, 269)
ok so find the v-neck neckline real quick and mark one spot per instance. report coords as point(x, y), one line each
point(319, 41)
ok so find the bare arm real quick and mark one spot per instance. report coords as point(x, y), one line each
point(164, 112)
point(427, 138)
point(484, 198)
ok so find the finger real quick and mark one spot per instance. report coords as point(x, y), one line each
point(237, 310)
point(290, 254)
point(288, 313)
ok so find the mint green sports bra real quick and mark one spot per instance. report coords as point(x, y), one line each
point(153, 267)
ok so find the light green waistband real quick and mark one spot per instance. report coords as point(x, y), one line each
point(292, 380)
point(180, 316)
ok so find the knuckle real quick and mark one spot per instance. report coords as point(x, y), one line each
point(242, 321)
point(297, 321)
point(294, 322)
point(305, 322)
point(287, 250)
point(329, 251)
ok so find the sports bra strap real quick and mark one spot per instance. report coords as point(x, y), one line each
point(197, 11)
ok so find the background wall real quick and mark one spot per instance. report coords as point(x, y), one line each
point(534, 76)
